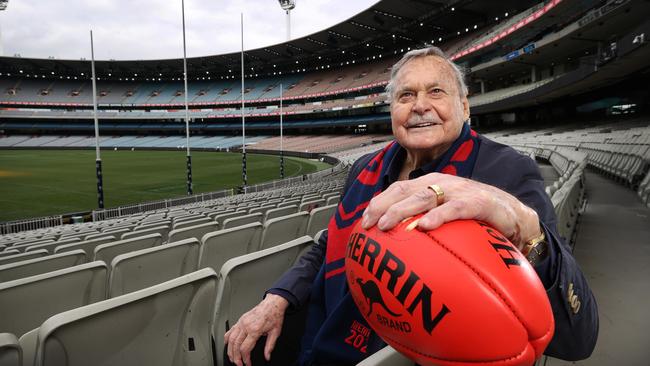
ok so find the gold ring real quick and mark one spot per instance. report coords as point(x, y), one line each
point(440, 194)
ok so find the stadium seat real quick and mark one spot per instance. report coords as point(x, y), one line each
point(193, 222)
point(319, 218)
point(146, 267)
point(11, 354)
point(106, 252)
point(168, 324)
point(386, 356)
point(280, 211)
point(22, 301)
point(40, 265)
point(196, 232)
point(9, 252)
point(163, 230)
point(221, 217)
point(23, 256)
point(87, 246)
point(50, 246)
point(311, 204)
point(285, 228)
point(220, 246)
point(243, 281)
point(241, 220)
point(25, 244)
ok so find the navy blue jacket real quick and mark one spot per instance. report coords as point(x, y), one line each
point(502, 167)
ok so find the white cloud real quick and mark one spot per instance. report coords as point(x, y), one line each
point(152, 29)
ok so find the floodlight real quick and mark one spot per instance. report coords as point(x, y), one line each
point(284, 4)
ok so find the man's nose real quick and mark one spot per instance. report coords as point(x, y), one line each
point(421, 104)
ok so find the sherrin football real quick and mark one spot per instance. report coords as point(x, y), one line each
point(461, 294)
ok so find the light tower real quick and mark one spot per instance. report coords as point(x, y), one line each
point(288, 5)
point(3, 6)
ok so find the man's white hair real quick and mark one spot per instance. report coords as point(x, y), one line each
point(423, 52)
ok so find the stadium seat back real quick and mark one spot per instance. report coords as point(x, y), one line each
point(319, 218)
point(50, 246)
point(168, 324)
point(280, 211)
point(22, 301)
point(106, 252)
point(220, 246)
point(243, 280)
point(87, 246)
point(283, 229)
point(23, 256)
point(159, 229)
point(242, 220)
point(11, 354)
point(196, 232)
point(191, 222)
point(386, 356)
point(147, 267)
point(40, 265)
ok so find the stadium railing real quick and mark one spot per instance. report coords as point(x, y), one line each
point(30, 224)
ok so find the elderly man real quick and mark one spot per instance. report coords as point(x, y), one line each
point(439, 166)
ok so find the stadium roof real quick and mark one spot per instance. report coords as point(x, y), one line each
point(386, 28)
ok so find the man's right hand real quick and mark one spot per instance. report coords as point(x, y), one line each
point(264, 319)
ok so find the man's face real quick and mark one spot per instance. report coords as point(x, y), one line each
point(427, 110)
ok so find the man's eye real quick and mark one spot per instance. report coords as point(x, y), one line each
point(436, 90)
point(406, 95)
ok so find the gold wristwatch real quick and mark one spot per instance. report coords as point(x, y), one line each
point(536, 249)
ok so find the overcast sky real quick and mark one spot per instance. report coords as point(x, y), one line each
point(152, 29)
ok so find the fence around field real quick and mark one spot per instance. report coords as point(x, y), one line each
point(114, 212)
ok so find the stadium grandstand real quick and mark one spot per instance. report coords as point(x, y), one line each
point(562, 81)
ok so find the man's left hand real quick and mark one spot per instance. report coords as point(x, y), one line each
point(463, 199)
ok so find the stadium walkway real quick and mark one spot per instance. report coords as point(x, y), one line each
point(613, 249)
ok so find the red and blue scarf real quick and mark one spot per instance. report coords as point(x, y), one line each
point(334, 324)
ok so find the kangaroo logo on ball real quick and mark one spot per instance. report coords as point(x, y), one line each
point(372, 294)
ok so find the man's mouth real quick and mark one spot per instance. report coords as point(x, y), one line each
point(422, 125)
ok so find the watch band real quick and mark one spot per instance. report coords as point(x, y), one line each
point(536, 249)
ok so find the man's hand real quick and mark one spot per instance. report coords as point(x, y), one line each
point(264, 319)
point(463, 199)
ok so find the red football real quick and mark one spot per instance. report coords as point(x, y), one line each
point(461, 294)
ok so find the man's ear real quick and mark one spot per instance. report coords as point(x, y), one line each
point(465, 103)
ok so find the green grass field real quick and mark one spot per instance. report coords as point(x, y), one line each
point(47, 182)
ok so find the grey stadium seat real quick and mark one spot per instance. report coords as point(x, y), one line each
point(193, 222)
point(23, 256)
point(87, 246)
point(159, 229)
point(7, 252)
point(50, 246)
point(25, 303)
point(282, 229)
point(11, 354)
point(220, 246)
point(280, 211)
point(40, 265)
point(241, 220)
point(243, 281)
point(386, 356)
point(106, 252)
point(146, 267)
point(164, 325)
point(319, 218)
point(196, 232)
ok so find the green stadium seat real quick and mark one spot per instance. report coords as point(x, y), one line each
point(22, 300)
point(147, 267)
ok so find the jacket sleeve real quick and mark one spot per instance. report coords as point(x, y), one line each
point(295, 284)
point(576, 328)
